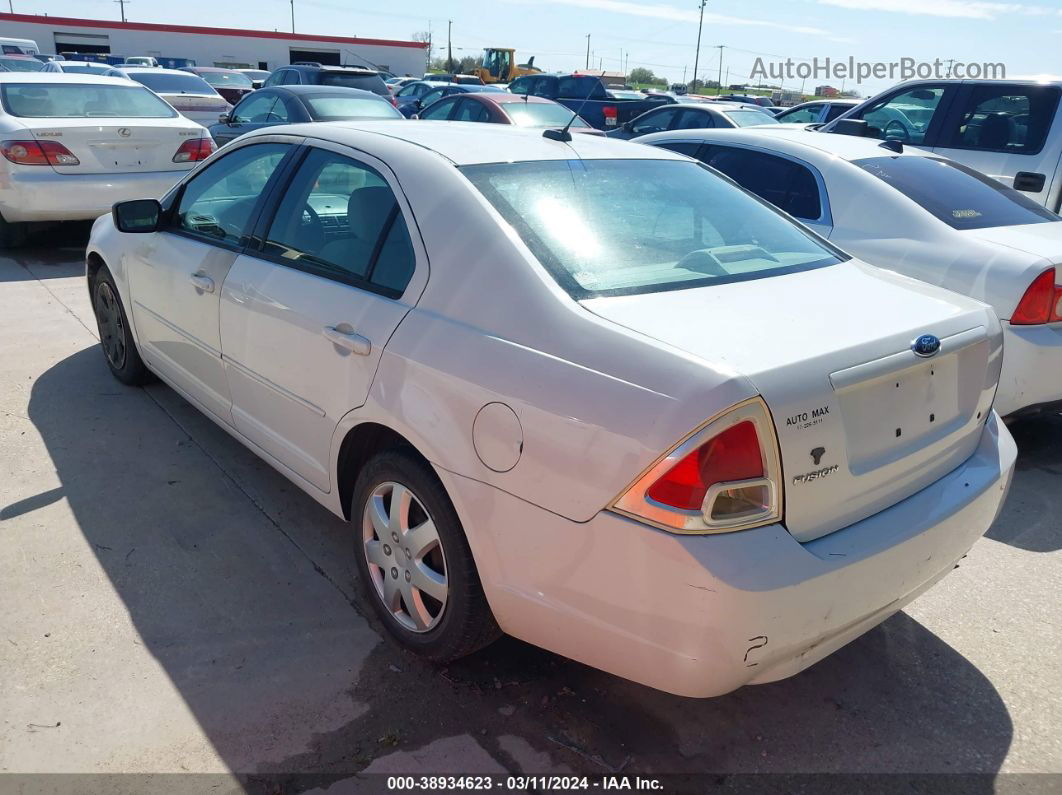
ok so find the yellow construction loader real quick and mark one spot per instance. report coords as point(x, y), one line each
point(499, 66)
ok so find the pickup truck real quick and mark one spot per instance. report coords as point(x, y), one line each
point(587, 95)
point(1010, 130)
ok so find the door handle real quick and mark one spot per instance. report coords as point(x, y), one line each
point(355, 343)
point(201, 282)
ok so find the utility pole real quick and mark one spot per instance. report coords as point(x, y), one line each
point(697, 56)
point(720, 79)
point(449, 47)
point(587, 50)
point(292, 16)
point(121, 4)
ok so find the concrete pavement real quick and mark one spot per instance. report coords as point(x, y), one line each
point(170, 604)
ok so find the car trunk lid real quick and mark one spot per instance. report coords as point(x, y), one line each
point(862, 421)
point(115, 145)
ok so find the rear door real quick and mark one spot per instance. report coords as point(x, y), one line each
point(1005, 131)
point(306, 313)
point(176, 274)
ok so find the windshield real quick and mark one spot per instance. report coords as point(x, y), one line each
point(325, 108)
point(88, 69)
point(960, 197)
point(21, 64)
point(164, 83)
point(614, 227)
point(78, 101)
point(227, 79)
point(750, 118)
point(541, 114)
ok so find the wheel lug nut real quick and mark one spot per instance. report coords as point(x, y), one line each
point(394, 537)
point(407, 576)
point(408, 555)
point(394, 573)
point(387, 549)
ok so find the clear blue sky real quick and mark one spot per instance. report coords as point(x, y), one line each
point(660, 35)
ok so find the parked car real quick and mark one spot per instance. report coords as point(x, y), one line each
point(818, 112)
point(921, 215)
point(464, 80)
point(232, 84)
point(10, 46)
point(73, 145)
point(410, 104)
point(46, 57)
point(502, 108)
point(141, 60)
point(1010, 130)
point(396, 83)
point(692, 115)
point(575, 430)
point(587, 95)
point(748, 99)
point(269, 107)
point(318, 75)
point(256, 76)
point(82, 68)
point(193, 96)
point(20, 63)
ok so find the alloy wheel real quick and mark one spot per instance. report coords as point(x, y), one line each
point(111, 325)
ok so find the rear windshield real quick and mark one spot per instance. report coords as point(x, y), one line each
point(616, 227)
point(957, 195)
point(227, 79)
point(89, 69)
point(173, 84)
point(79, 101)
point(325, 108)
point(750, 118)
point(20, 65)
point(372, 83)
point(535, 114)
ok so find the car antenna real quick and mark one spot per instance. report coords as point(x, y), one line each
point(893, 145)
point(562, 134)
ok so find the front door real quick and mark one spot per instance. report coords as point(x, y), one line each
point(177, 273)
point(257, 110)
point(305, 316)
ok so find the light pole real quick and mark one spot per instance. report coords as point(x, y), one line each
point(697, 56)
point(449, 47)
point(121, 4)
point(720, 78)
point(587, 50)
point(292, 16)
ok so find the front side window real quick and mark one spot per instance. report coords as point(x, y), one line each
point(905, 116)
point(216, 204)
point(274, 79)
point(959, 196)
point(613, 227)
point(439, 111)
point(413, 90)
point(520, 86)
point(432, 96)
point(339, 219)
point(654, 121)
point(693, 119)
point(750, 118)
point(78, 101)
point(801, 115)
point(785, 184)
point(256, 109)
point(1012, 119)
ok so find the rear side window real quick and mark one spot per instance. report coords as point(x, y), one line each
point(692, 119)
point(787, 185)
point(1012, 119)
point(339, 219)
point(325, 108)
point(959, 196)
point(81, 101)
point(470, 110)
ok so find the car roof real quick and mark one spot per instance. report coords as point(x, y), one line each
point(206, 69)
point(60, 77)
point(796, 141)
point(470, 143)
point(501, 98)
point(331, 68)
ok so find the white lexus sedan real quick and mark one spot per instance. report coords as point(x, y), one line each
point(73, 145)
point(589, 394)
point(922, 215)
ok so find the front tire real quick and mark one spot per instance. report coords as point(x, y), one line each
point(116, 339)
point(413, 560)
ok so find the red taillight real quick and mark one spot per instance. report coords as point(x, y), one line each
point(610, 113)
point(732, 455)
point(725, 477)
point(394, 101)
point(38, 153)
point(1042, 302)
point(194, 149)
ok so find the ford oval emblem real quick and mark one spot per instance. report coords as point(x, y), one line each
point(925, 346)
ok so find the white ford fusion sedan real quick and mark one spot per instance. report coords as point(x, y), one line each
point(75, 144)
point(919, 214)
point(586, 393)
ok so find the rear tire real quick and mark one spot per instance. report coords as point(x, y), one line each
point(116, 340)
point(414, 563)
point(12, 235)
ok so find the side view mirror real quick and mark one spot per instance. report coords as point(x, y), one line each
point(224, 118)
point(856, 127)
point(137, 216)
point(626, 126)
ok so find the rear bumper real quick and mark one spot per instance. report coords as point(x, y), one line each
point(1032, 368)
point(40, 194)
point(702, 615)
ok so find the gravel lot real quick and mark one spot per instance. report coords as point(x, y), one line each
point(170, 604)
